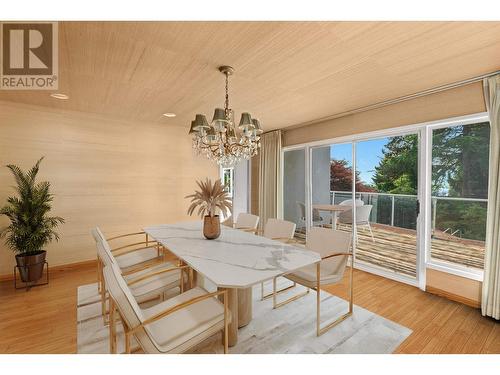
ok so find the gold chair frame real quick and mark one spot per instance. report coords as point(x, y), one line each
point(183, 284)
point(245, 229)
point(100, 279)
point(281, 239)
point(130, 331)
point(269, 295)
point(119, 251)
point(320, 330)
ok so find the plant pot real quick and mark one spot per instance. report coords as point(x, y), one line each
point(31, 266)
point(211, 227)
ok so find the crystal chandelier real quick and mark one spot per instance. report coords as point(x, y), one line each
point(220, 140)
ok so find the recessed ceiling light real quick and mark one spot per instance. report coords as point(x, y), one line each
point(169, 114)
point(59, 96)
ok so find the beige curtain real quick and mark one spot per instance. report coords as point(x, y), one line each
point(490, 304)
point(269, 176)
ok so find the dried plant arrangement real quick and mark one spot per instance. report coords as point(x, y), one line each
point(211, 199)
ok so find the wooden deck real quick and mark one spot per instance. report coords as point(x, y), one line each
point(395, 249)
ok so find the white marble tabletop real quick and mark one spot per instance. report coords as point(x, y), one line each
point(236, 259)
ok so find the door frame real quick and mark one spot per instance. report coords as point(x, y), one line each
point(424, 134)
point(435, 264)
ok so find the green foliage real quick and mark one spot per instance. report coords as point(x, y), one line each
point(30, 226)
point(460, 161)
point(402, 185)
point(467, 217)
point(459, 169)
point(397, 172)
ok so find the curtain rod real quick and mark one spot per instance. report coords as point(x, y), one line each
point(400, 99)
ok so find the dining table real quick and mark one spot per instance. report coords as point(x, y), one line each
point(235, 261)
point(334, 209)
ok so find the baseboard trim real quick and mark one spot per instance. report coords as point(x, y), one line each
point(93, 263)
point(59, 268)
point(453, 297)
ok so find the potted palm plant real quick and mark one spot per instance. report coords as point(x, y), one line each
point(210, 200)
point(31, 228)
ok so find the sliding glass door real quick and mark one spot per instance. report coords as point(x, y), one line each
point(420, 196)
point(459, 185)
point(331, 182)
point(384, 213)
point(386, 203)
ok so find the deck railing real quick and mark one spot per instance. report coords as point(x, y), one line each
point(407, 210)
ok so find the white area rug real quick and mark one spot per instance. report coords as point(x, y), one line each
point(289, 329)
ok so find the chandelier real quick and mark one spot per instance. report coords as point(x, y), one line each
point(220, 140)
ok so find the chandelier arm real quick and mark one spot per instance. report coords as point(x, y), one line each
point(226, 148)
point(207, 145)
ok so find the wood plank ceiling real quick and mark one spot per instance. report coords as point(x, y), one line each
point(287, 73)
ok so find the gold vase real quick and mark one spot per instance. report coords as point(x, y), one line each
point(211, 227)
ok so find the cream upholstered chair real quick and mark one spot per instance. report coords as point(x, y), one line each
point(228, 222)
point(133, 255)
point(146, 283)
point(362, 218)
point(247, 222)
point(172, 326)
point(136, 253)
point(279, 230)
point(334, 248)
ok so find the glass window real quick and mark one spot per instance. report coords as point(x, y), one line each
point(386, 190)
point(228, 180)
point(460, 157)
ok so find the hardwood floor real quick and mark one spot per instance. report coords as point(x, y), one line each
point(43, 320)
point(439, 325)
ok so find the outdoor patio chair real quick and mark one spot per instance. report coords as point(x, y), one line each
point(348, 202)
point(362, 218)
point(318, 220)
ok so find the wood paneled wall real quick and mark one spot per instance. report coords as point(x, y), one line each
point(120, 175)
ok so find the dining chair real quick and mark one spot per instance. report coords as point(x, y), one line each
point(228, 222)
point(247, 222)
point(172, 326)
point(362, 218)
point(334, 248)
point(278, 230)
point(147, 283)
point(133, 254)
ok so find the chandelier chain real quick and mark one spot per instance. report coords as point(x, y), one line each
point(226, 104)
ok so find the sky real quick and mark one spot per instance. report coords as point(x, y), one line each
point(369, 154)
